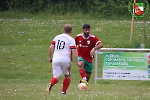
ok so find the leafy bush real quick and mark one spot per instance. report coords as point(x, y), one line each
point(100, 8)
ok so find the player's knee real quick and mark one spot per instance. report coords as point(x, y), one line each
point(67, 76)
point(81, 66)
point(57, 78)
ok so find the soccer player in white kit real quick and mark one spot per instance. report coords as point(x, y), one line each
point(63, 45)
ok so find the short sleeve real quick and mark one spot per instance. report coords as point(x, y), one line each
point(97, 41)
point(72, 44)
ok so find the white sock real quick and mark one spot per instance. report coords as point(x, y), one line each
point(84, 78)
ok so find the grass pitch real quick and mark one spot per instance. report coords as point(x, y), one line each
point(25, 71)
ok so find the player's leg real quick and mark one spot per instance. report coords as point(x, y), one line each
point(56, 75)
point(88, 75)
point(66, 83)
point(88, 67)
point(66, 69)
point(82, 71)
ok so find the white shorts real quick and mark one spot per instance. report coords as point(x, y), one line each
point(61, 65)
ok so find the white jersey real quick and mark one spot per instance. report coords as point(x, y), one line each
point(63, 45)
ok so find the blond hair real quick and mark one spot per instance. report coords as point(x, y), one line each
point(67, 28)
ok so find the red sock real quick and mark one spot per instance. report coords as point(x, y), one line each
point(53, 81)
point(66, 84)
point(82, 73)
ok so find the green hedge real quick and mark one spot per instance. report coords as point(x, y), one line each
point(100, 8)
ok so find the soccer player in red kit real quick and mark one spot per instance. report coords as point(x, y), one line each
point(86, 43)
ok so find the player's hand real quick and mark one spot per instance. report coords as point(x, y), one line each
point(71, 56)
point(92, 52)
point(70, 69)
point(50, 60)
point(78, 63)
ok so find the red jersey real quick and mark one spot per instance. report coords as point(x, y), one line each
point(85, 45)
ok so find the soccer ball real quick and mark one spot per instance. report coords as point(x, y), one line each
point(82, 86)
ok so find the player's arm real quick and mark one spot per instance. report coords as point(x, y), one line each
point(51, 51)
point(75, 54)
point(74, 48)
point(98, 46)
point(71, 56)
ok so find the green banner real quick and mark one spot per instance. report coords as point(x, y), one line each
point(126, 65)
